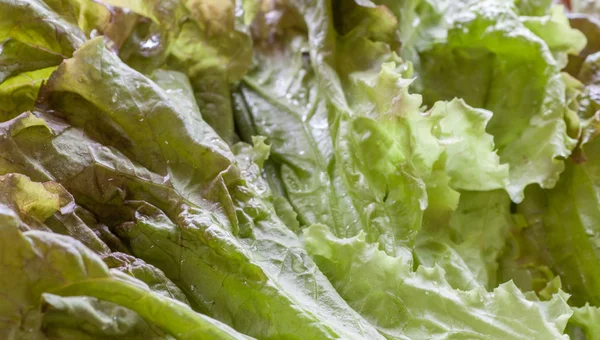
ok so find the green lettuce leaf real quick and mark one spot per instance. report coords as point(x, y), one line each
point(566, 216)
point(588, 319)
point(214, 50)
point(486, 52)
point(207, 41)
point(525, 259)
point(17, 57)
point(40, 262)
point(37, 34)
point(407, 304)
point(555, 30)
point(48, 207)
point(143, 32)
point(370, 196)
point(282, 101)
point(86, 318)
point(147, 273)
point(228, 199)
point(358, 161)
point(19, 93)
point(468, 241)
point(39, 27)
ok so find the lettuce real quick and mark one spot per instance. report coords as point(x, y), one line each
point(328, 169)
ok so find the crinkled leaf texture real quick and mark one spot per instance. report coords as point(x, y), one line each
point(178, 196)
point(468, 241)
point(407, 304)
point(509, 64)
point(353, 211)
point(565, 218)
point(588, 319)
point(354, 151)
point(38, 262)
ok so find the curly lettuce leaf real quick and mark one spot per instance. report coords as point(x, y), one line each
point(467, 242)
point(556, 31)
point(567, 216)
point(214, 50)
point(131, 150)
point(587, 318)
point(48, 207)
point(207, 41)
point(143, 32)
point(282, 101)
point(37, 34)
point(17, 58)
point(39, 262)
point(147, 273)
point(19, 93)
point(228, 198)
point(359, 160)
point(488, 55)
point(86, 318)
point(407, 304)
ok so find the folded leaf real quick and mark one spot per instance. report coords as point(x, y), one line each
point(567, 214)
point(47, 207)
point(588, 319)
point(228, 198)
point(487, 43)
point(407, 304)
point(467, 243)
point(81, 317)
point(18, 94)
point(359, 160)
point(40, 262)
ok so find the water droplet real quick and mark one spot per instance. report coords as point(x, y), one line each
point(297, 263)
point(166, 142)
point(151, 43)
